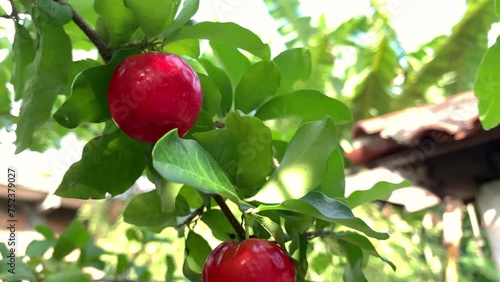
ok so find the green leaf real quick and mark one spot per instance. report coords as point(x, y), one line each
point(122, 264)
point(23, 272)
point(497, 7)
point(188, 47)
point(23, 53)
point(170, 262)
point(304, 164)
point(168, 192)
point(54, 13)
point(189, 8)
point(118, 23)
point(333, 184)
point(197, 250)
point(298, 248)
point(88, 100)
point(37, 248)
point(219, 225)
point(273, 228)
point(72, 275)
point(296, 28)
point(375, 90)
point(354, 269)
point(46, 231)
point(76, 68)
point(487, 88)
point(146, 210)
point(190, 274)
point(229, 33)
point(294, 65)
point(459, 55)
point(320, 206)
point(4, 250)
point(203, 123)
point(223, 146)
point(300, 103)
point(110, 163)
point(76, 236)
point(380, 191)
point(255, 153)
point(185, 161)
point(152, 15)
point(362, 242)
point(223, 83)
point(211, 95)
point(232, 60)
point(279, 148)
point(48, 76)
point(258, 83)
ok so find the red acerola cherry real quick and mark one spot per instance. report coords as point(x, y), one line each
point(253, 260)
point(150, 94)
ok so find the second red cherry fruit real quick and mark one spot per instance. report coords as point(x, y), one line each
point(253, 260)
point(152, 93)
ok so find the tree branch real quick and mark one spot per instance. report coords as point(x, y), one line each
point(105, 52)
point(240, 231)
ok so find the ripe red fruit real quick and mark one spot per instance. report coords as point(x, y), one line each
point(150, 94)
point(253, 260)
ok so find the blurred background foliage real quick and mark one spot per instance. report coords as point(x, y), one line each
point(362, 63)
point(123, 251)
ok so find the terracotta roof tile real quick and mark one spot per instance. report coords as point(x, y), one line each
point(456, 118)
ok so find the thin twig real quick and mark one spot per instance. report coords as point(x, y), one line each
point(190, 218)
point(105, 52)
point(319, 233)
point(230, 216)
point(14, 13)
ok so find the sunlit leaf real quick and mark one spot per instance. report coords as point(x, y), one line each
point(304, 164)
point(487, 88)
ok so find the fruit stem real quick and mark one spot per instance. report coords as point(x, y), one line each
point(240, 231)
